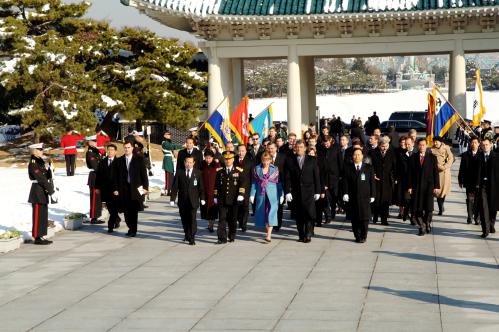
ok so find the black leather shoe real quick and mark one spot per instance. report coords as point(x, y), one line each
point(385, 223)
point(41, 242)
point(243, 230)
point(484, 235)
point(117, 225)
point(362, 241)
point(307, 240)
point(440, 212)
point(300, 240)
point(192, 243)
point(421, 232)
point(492, 229)
point(95, 221)
point(221, 242)
point(110, 231)
point(231, 240)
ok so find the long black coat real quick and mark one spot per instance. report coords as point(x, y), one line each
point(469, 170)
point(422, 180)
point(360, 187)
point(491, 171)
point(92, 157)
point(303, 183)
point(384, 170)
point(39, 191)
point(401, 175)
point(138, 177)
point(247, 165)
point(182, 154)
point(189, 191)
point(104, 179)
point(330, 167)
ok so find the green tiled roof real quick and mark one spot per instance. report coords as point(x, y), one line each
point(308, 7)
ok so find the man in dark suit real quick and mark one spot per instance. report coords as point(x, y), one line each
point(257, 149)
point(330, 165)
point(423, 184)
point(130, 184)
point(359, 191)
point(469, 178)
point(188, 186)
point(229, 192)
point(104, 186)
point(246, 163)
point(303, 188)
point(383, 161)
point(489, 188)
point(278, 160)
point(190, 150)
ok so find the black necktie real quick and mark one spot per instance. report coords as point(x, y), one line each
point(358, 168)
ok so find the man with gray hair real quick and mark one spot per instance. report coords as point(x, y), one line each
point(383, 161)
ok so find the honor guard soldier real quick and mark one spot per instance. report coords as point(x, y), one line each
point(41, 188)
point(93, 158)
point(68, 143)
point(229, 191)
point(168, 158)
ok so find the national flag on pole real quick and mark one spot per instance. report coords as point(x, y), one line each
point(478, 108)
point(262, 122)
point(430, 121)
point(218, 124)
point(239, 121)
point(444, 119)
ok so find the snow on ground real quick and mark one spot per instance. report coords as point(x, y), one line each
point(383, 103)
point(73, 196)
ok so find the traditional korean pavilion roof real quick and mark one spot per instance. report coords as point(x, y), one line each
point(307, 7)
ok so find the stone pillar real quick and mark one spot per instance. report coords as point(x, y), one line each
point(457, 79)
point(294, 94)
point(304, 81)
point(238, 81)
point(215, 91)
point(312, 102)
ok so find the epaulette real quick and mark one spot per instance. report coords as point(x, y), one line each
point(219, 168)
point(239, 169)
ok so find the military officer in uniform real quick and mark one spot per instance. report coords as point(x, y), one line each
point(41, 188)
point(229, 192)
point(167, 146)
point(93, 158)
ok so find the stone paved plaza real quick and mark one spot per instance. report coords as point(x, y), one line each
point(91, 281)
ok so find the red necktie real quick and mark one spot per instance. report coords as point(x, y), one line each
point(421, 159)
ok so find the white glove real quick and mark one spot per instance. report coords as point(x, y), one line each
point(346, 198)
point(289, 197)
point(54, 197)
point(281, 199)
point(215, 201)
point(316, 197)
point(252, 199)
point(240, 198)
point(372, 199)
point(203, 202)
point(172, 203)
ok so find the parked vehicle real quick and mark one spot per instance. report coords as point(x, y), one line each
point(403, 126)
point(408, 116)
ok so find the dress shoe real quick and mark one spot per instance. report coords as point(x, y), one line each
point(357, 240)
point(42, 242)
point(484, 235)
point(328, 221)
point(221, 242)
point(192, 243)
point(185, 238)
point(267, 240)
point(428, 229)
point(492, 229)
point(130, 234)
point(307, 240)
point(468, 221)
point(117, 225)
point(362, 241)
point(110, 231)
point(210, 229)
point(440, 212)
point(404, 217)
point(243, 230)
point(300, 240)
point(476, 222)
point(385, 223)
point(399, 216)
point(231, 240)
point(421, 232)
point(96, 221)
point(318, 225)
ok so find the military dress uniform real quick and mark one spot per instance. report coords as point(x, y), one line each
point(229, 190)
point(41, 188)
point(93, 158)
point(167, 146)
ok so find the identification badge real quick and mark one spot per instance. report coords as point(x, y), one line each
point(362, 177)
point(235, 183)
point(195, 182)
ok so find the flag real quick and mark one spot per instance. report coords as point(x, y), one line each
point(239, 121)
point(444, 119)
point(478, 108)
point(218, 124)
point(262, 122)
point(430, 121)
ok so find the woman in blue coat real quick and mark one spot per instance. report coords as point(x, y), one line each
point(267, 192)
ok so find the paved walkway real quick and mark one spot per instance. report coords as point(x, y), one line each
point(397, 281)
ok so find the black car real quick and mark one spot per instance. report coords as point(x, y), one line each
point(409, 116)
point(403, 126)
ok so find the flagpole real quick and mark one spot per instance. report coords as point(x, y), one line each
point(212, 113)
point(455, 111)
point(263, 110)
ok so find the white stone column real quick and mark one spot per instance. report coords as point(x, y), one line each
point(227, 80)
point(215, 91)
point(294, 95)
point(457, 79)
point(312, 102)
point(238, 80)
point(304, 81)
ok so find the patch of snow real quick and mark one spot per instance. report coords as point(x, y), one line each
point(31, 68)
point(45, 7)
point(110, 102)
point(159, 78)
point(132, 72)
point(24, 109)
point(58, 59)
point(8, 66)
point(196, 76)
point(30, 42)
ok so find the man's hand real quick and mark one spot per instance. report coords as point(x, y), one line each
point(323, 195)
point(316, 197)
point(240, 198)
point(376, 178)
point(281, 199)
point(289, 197)
point(435, 191)
point(409, 191)
point(346, 198)
point(115, 193)
point(203, 202)
point(215, 201)
point(372, 199)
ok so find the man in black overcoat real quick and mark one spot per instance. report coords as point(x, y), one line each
point(359, 191)
point(130, 184)
point(104, 186)
point(302, 188)
point(383, 162)
point(469, 178)
point(190, 150)
point(188, 187)
point(489, 188)
point(423, 184)
point(246, 163)
point(329, 164)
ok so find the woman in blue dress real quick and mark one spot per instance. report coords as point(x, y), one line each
point(267, 192)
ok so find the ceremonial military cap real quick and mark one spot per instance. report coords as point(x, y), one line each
point(38, 146)
point(487, 121)
point(228, 154)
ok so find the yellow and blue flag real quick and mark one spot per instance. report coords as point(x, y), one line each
point(444, 119)
point(262, 122)
point(218, 124)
